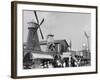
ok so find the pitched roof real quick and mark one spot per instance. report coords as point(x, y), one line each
point(63, 42)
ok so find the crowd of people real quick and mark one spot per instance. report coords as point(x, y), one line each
point(58, 63)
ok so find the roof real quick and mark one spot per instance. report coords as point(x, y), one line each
point(63, 42)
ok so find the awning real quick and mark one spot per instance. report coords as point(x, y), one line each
point(41, 56)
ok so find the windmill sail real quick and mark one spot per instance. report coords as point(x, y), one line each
point(40, 29)
point(36, 17)
point(39, 24)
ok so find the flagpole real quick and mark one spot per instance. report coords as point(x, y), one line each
point(70, 45)
point(88, 43)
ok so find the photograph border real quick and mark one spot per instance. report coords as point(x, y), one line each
point(14, 37)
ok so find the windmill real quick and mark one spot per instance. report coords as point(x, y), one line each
point(32, 40)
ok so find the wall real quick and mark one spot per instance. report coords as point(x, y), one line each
point(5, 41)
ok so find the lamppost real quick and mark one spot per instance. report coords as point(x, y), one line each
point(87, 37)
point(88, 47)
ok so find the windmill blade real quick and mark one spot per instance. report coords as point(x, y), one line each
point(36, 16)
point(41, 21)
point(41, 33)
point(40, 28)
point(38, 23)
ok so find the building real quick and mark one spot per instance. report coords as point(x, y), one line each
point(59, 45)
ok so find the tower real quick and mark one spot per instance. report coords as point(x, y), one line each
point(32, 40)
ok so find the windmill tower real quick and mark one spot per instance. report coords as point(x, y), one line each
point(33, 40)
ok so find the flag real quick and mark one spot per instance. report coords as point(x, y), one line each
point(86, 35)
point(70, 44)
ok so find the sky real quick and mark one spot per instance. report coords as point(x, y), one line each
point(64, 25)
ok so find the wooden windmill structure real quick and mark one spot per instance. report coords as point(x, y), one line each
point(33, 40)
